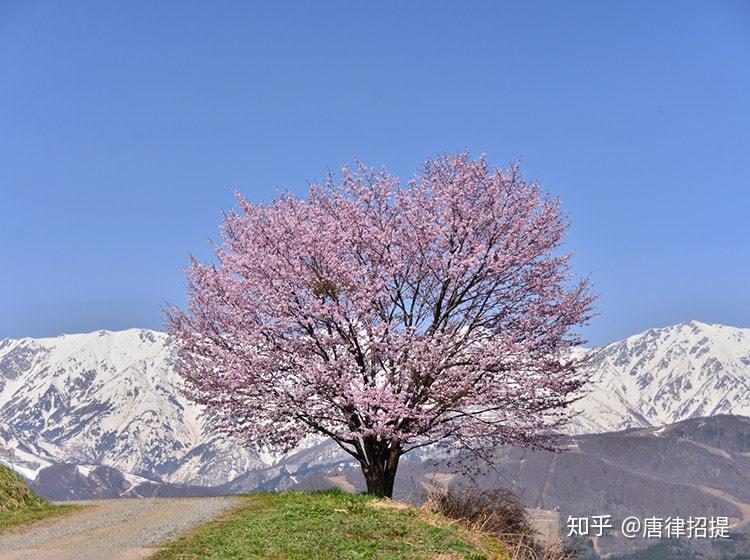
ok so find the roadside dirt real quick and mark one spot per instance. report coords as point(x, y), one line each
point(130, 529)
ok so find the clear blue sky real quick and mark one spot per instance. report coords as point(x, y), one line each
point(124, 127)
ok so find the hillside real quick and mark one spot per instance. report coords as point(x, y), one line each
point(14, 494)
point(330, 526)
point(697, 465)
point(18, 504)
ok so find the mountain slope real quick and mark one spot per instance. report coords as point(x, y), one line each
point(665, 375)
point(19, 505)
point(14, 494)
point(113, 399)
point(109, 398)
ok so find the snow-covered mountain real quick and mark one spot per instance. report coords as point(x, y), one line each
point(108, 398)
point(665, 375)
point(112, 398)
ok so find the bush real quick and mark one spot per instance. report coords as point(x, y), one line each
point(499, 513)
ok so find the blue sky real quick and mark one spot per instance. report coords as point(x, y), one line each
point(125, 126)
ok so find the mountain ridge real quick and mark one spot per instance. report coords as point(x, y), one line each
point(112, 398)
point(664, 375)
point(109, 398)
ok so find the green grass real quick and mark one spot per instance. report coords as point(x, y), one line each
point(14, 494)
point(329, 525)
point(18, 504)
point(27, 515)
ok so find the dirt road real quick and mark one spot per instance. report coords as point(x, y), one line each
point(111, 529)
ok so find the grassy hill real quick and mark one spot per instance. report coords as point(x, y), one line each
point(331, 525)
point(18, 504)
point(14, 494)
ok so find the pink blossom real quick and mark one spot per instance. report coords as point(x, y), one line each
point(388, 317)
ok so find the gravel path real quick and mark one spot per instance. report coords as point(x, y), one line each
point(111, 529)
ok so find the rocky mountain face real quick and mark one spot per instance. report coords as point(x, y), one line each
point(665, 375)
point(112, 399)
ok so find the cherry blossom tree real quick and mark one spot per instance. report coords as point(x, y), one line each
point(388, 317)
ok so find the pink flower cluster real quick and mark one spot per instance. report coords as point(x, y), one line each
point(403, 315)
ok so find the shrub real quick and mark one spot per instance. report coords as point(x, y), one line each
point(500, 513)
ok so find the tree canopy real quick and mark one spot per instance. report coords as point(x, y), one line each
point(388, 316)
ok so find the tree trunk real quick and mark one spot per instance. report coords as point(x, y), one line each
point(380, 471)
point(380, 482)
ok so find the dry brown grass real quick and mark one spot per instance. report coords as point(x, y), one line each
point(500, 514)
